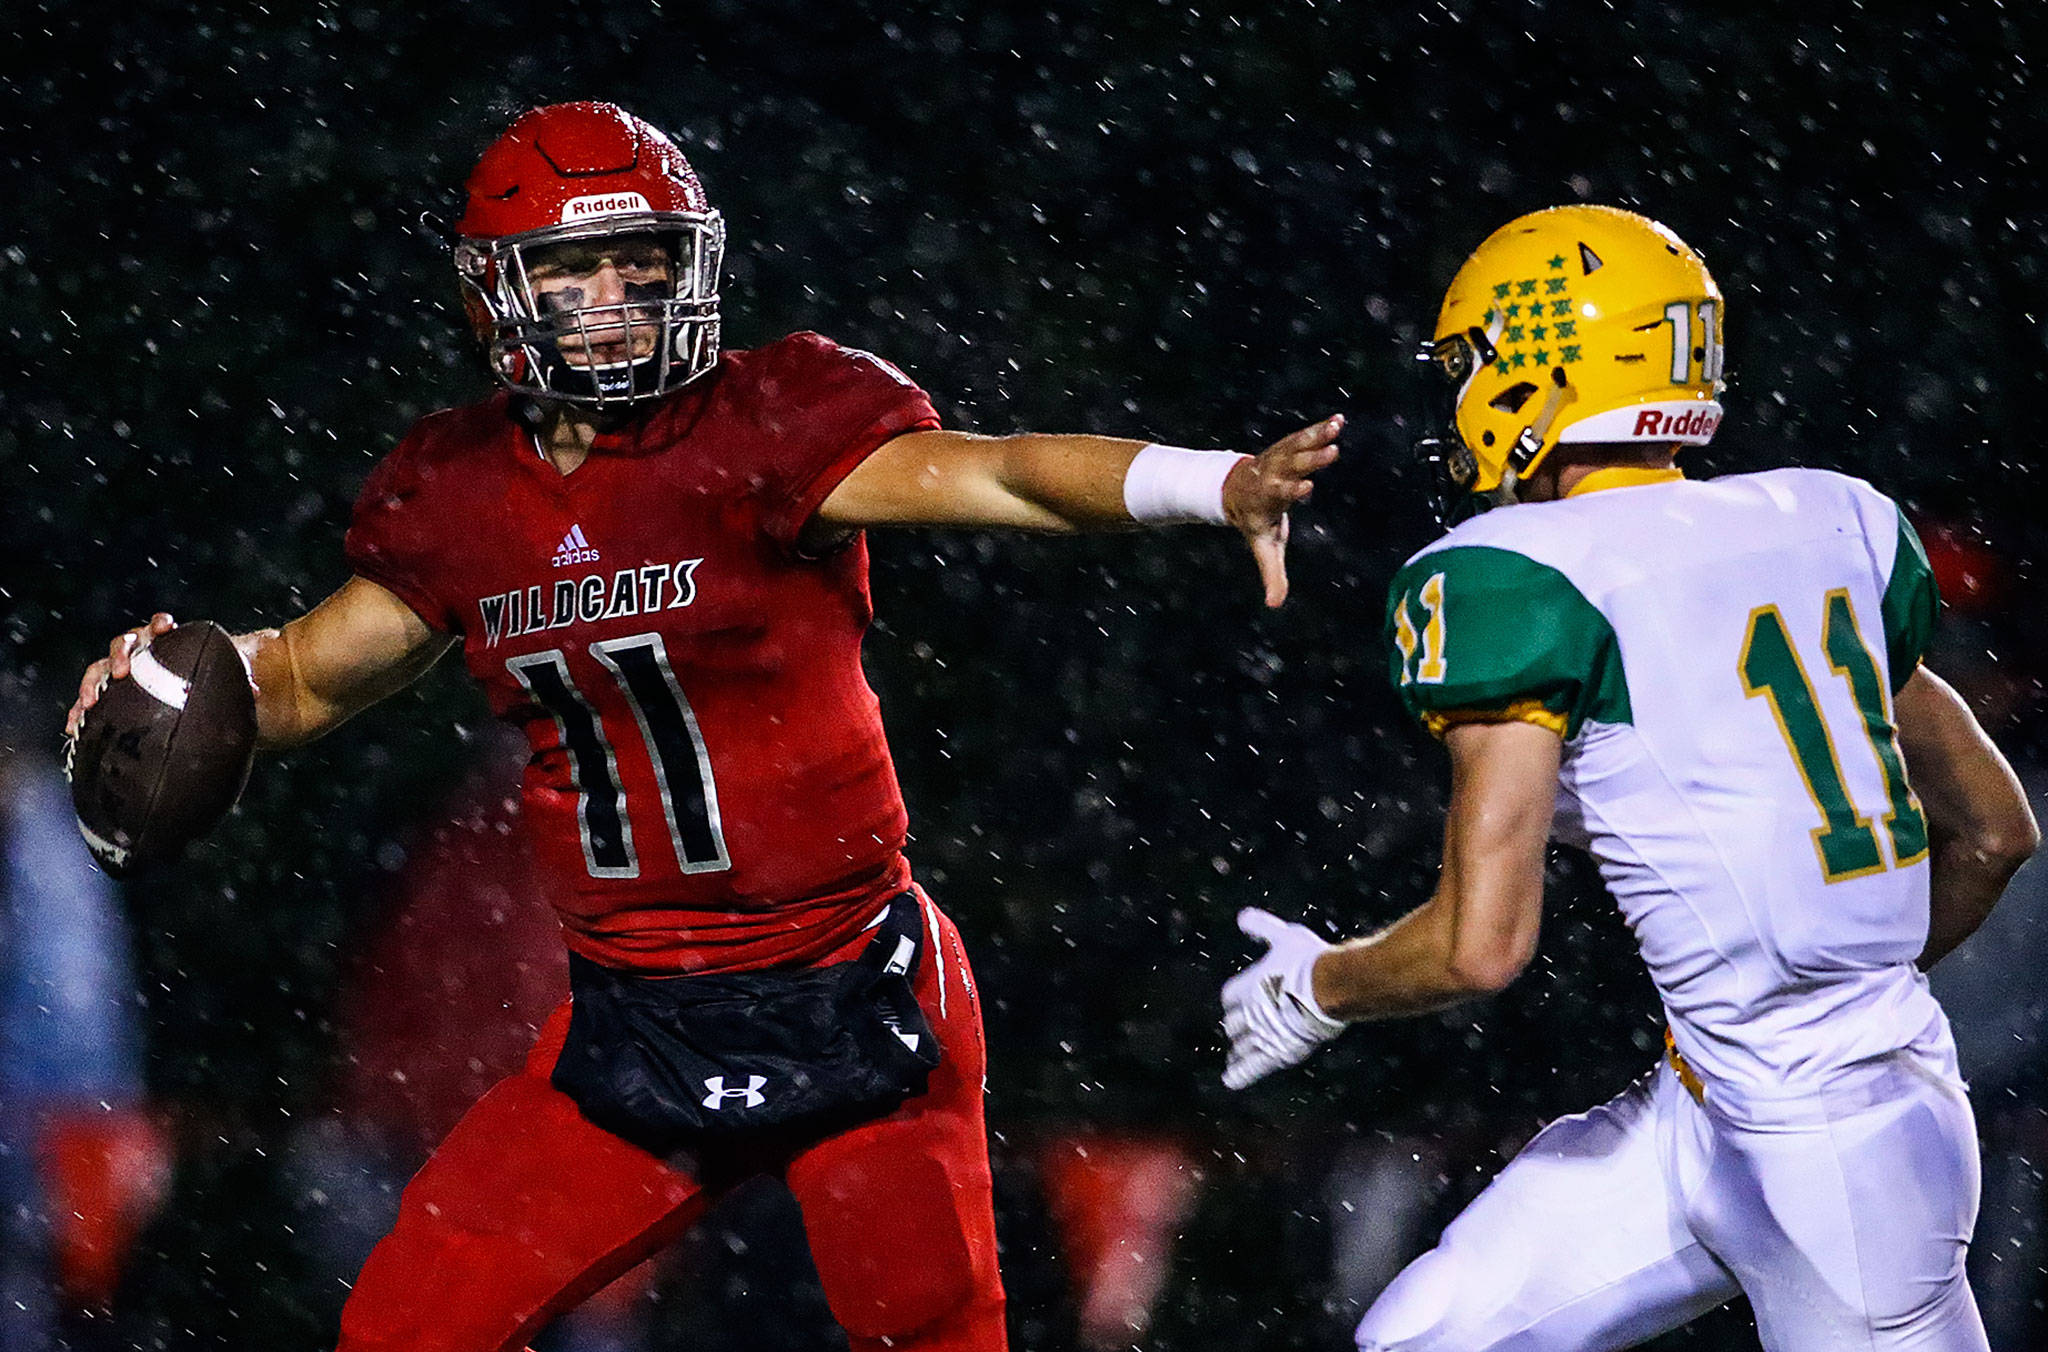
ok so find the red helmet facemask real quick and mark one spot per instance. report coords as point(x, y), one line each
point(589, 258)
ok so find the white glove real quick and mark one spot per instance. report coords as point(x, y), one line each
point(1270, 1012)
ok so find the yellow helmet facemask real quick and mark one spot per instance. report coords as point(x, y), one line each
point(1574, 324)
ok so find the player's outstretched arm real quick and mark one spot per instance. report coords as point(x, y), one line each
point(1045, 482)
point(348, 652)
point(1471, 938)
point(1979, 827)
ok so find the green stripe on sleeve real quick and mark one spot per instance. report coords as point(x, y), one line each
point(1911, 602)
point(1477, 631)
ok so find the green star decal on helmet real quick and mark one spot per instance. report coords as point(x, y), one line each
point(1500, 291)
point(1557, 263)
point(1526, 288)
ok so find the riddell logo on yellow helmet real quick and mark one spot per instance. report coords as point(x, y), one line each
point(1688, 422)
point(1696, 422)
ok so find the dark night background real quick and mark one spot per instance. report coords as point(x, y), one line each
point(1202, 223)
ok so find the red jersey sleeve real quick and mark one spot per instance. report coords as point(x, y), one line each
point(391, 542)
point(832, 407)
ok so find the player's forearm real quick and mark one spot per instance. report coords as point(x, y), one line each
point(1052, 482)
point(1980, 826)
point(1034, 482)
point(1966, 878)
point(326, 667)
point(1413, 966)
point(1069, 483)
point(1047, 482)
point(285, 716)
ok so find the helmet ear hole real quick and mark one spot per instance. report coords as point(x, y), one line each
point(1588, 260)
point(1511, 399)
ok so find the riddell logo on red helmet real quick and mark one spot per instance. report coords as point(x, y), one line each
point(1698, 422)
point(602, 204)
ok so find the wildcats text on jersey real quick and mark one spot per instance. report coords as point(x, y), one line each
point(593, 597)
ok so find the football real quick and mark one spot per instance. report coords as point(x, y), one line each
point(163, 755)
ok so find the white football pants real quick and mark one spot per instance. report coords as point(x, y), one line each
point(1844, 1216)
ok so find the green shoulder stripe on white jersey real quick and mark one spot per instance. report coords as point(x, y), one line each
point(1911, 602)
point(1480, 631)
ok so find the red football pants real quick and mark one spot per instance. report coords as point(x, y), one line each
point(527, 1209)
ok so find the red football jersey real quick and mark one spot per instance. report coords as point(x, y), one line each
point(709, 787)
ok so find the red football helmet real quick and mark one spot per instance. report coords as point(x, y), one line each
point(584, 186)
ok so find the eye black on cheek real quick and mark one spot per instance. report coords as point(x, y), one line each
point(564, 298)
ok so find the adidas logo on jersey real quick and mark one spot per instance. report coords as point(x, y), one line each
point(574, 549)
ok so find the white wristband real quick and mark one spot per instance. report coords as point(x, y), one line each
point(1170, 483)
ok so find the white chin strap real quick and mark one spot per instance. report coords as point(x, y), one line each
point(1503, 494)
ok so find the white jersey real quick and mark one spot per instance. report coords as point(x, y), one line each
point(1720, 657)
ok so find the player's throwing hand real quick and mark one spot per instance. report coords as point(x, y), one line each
point(114, 665)
point(1261, 490)
point(1270, 1012)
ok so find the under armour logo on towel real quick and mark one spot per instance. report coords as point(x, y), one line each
point(715, 1100)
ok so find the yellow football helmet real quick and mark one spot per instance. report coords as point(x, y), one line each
point(1574, 324)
